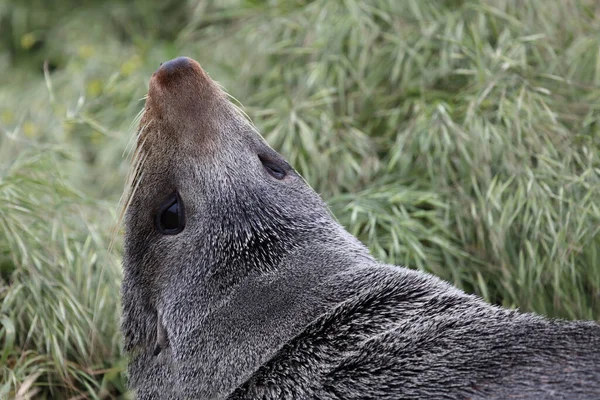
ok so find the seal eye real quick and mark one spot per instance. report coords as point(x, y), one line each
point(170, 219)
point(273, 169)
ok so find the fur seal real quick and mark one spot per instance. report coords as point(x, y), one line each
point(239, 284)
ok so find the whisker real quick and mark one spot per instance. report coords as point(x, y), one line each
point(239, 108)
point(135, 122)
point(132, 181)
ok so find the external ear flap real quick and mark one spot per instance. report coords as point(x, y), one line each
point(170, 219)
point(162, 340)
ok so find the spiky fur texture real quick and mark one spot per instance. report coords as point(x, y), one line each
point(265, 296)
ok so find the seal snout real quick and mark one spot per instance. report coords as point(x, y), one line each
point(182, 94)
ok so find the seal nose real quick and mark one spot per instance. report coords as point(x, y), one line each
point(172, 69)
point(173, 65)
point(182, 86)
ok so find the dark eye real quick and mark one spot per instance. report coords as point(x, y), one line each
point(170, 219)
point(273, 169)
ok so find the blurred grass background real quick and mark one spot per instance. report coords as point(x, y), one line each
point(457, 137)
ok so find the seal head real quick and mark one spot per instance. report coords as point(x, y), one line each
point(212, 208)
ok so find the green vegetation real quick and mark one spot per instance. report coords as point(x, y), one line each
point(457, 137)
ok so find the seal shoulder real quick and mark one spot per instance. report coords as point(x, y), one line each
point(402, 333)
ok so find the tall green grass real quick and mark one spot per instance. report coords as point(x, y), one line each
point(457, 137)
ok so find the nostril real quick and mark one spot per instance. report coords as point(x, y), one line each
point(179, 71)
point(178, 67)
point(179, 63)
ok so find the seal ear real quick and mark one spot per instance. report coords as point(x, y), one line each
point(170, 218)
point(162, 339)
